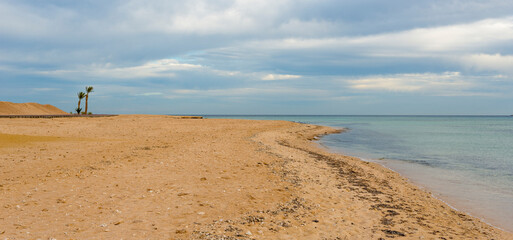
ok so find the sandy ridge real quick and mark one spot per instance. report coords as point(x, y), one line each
point(9, 108)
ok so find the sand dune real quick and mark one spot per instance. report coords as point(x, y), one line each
point(9, 108)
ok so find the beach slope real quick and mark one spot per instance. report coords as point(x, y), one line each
point(158, 177)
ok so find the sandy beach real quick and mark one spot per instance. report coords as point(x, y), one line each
point(161, 177)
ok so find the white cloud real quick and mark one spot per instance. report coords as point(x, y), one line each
point(159, 68)
point(202, 17)
point(225, 73)
point(487, 62)
point(186, 91)
point(313, 27)
point(230, 92)
point(342, 98)
point(426, 82)
point(45, 89)
point(133, 18)
point(271, 77)
point(453, 38)
point(149, 94)
point(22, 21)
point(416, 42)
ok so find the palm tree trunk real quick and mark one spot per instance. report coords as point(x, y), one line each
point(87, 98)
point(79, 103)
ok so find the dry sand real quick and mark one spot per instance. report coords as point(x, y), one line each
point(155, 177)
point(9, 108)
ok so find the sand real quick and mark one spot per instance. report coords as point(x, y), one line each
point(9, 108)
point(158, 177)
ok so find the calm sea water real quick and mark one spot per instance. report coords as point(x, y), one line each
point(467, 161)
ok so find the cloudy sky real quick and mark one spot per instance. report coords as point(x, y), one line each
point(260, 56)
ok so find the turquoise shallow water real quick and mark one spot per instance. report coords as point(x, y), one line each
point(466, 161)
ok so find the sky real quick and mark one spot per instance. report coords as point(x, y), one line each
point(260, 56)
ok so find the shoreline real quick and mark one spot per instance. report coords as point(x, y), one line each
point(444, 195)
point(411, 171)
point(140, 176)
point(406, 180)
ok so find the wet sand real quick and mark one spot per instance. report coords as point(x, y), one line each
point(460, 192)
point(158, 177)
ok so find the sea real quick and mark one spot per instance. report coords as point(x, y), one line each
point(465, 161)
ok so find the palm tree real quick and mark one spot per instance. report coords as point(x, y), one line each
point(88, 89)
point(78, 109)
point(80, 95)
